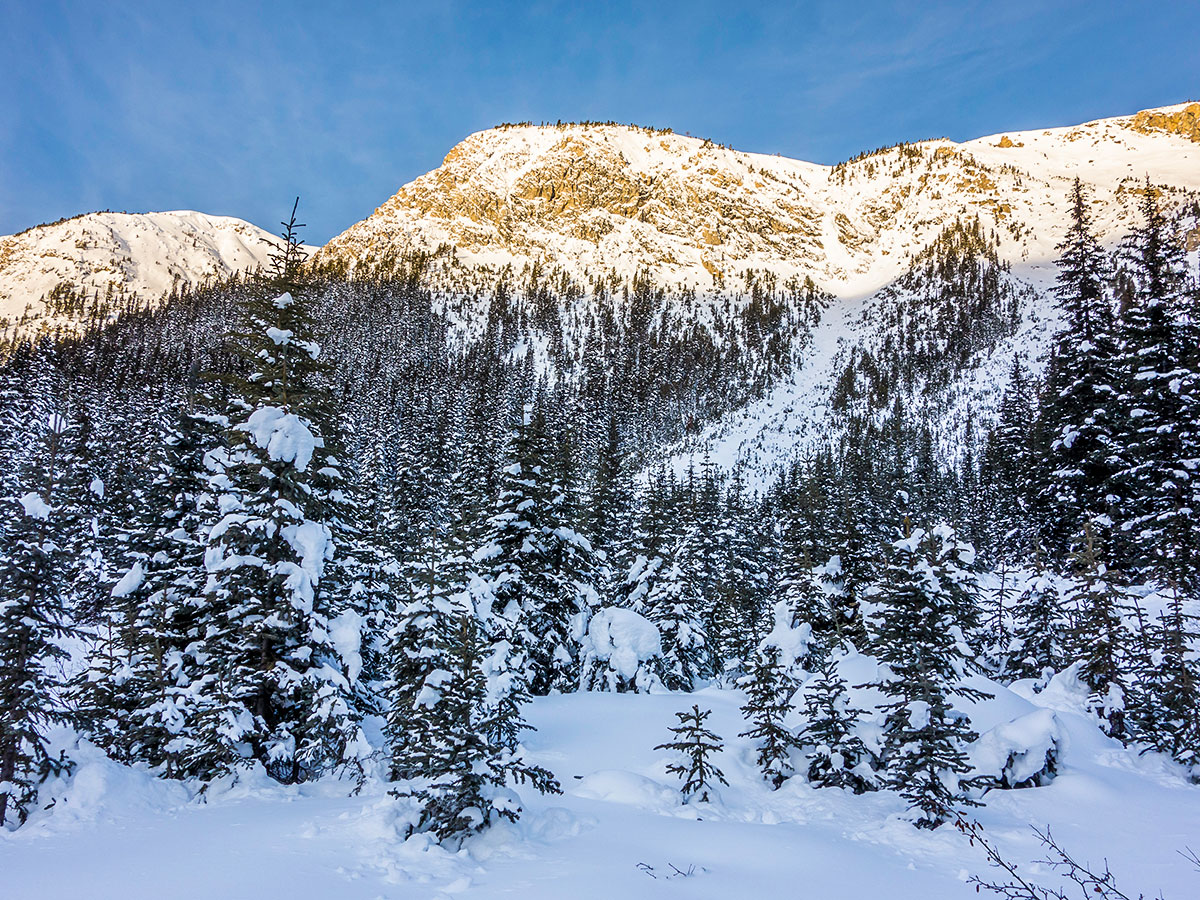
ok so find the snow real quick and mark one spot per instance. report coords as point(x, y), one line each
point(35, 507)
point(144, 255)
point(1020, 749)
point(284, 436)
point(622, 638)
point(619, 830)
point(791, 641)
point(313, 544)
point(130, 581)
point(345, 633)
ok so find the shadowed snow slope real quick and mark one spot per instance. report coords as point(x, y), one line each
point(619, 829)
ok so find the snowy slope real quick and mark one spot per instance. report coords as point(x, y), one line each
point(142, 256)
point(617, 831)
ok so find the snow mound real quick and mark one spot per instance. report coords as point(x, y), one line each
point(621, 650)
point(626, 788)
point(1023, 752)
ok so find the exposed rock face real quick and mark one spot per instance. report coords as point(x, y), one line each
point(593, 198)
point(1184, 121)
point(527, 190)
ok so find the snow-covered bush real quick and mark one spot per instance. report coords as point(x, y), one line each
point(1020, 753)
point(622, 651)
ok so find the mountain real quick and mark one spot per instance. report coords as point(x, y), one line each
point(591, 198)
point(601, 203)
point(47, 270)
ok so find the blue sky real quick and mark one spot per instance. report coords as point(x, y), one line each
point(235, 108)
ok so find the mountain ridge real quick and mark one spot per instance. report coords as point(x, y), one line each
point(50, 272)
point(591, 198)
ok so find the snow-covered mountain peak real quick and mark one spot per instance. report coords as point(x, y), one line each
point(46, 271)
point(589, 198)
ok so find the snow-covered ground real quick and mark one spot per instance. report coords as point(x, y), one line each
point(619, 829)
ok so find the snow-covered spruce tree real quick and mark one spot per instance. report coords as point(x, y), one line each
point(610, 507)
point(799, 589)
point(743, 611)
point(539, 566)
point(84, 515)
point(1078, 407)
point(768, 701)
point(426, 624)
point(659, 590)
point(695, 745)
point(377, 560)
point(1098, 638)
point(164, 582)
point(119, 623)
point(1037, 645)
point(459, 772)
point(1008, 468)
point(837, 756)
point(281, 694)
point(31, 620)
point(701, 559)
point(1158, 525)
point(1166, 705)
point(844, 574)
point(923, 656)
point(997, 609)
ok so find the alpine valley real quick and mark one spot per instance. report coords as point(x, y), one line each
point(616, 513)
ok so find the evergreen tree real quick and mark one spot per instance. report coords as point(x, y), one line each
point(747, 583)
point(661, 592)
point(1166, 709)
point(920, 644)
point(695, 744)
point(1097, 638)
point(838, 757)
point(1008, 465)
point(1037, 645)
point(427, 627)
point(540, 567)
point(460, 771)
point(701, 558)
point(768, 701)
point(282, 695)
point(1155, 477)
point(1078, 410)
point(31, 621)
